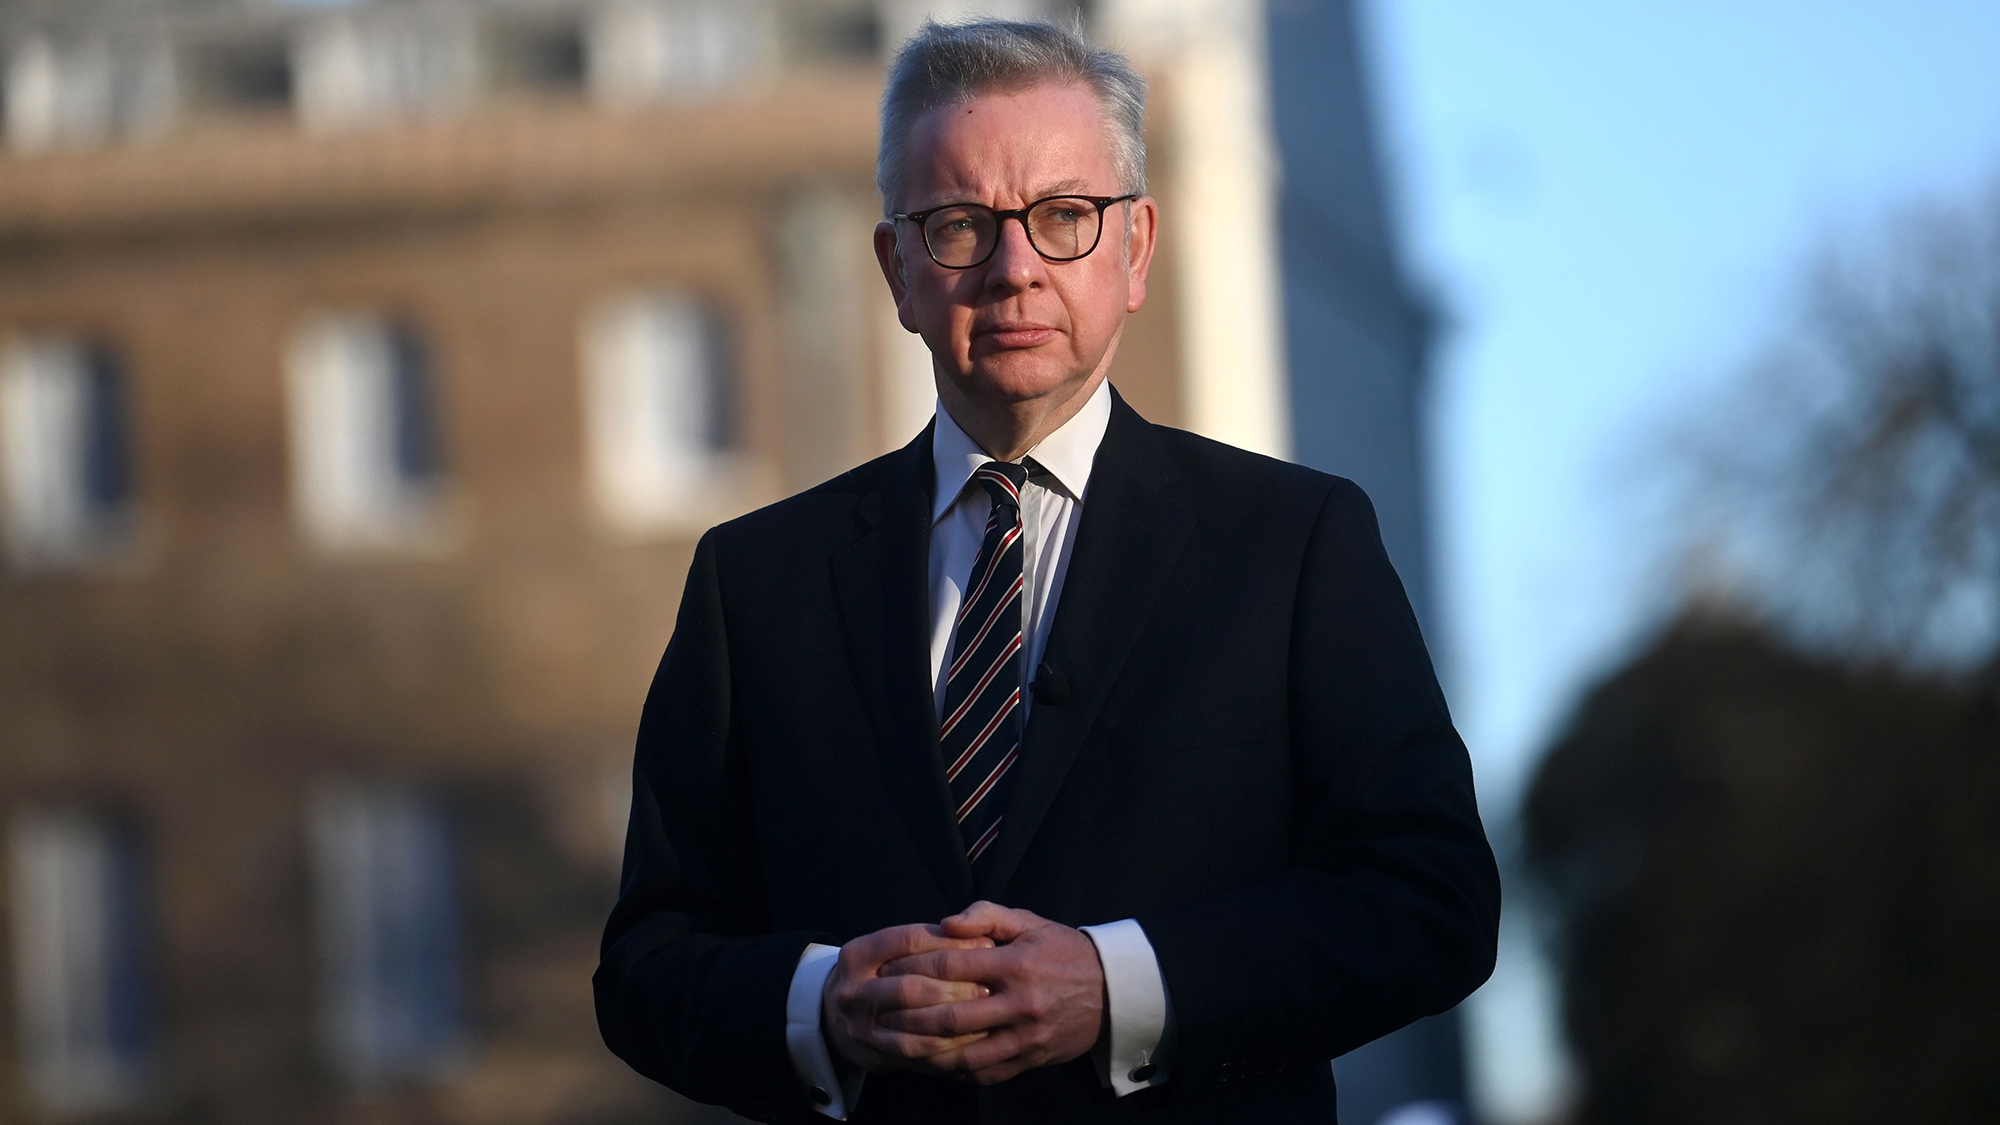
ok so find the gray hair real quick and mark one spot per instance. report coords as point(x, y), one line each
point(947, 63)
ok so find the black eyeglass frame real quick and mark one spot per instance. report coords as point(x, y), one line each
point(1000, 218)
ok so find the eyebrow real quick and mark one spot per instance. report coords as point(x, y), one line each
point(1063, 187)
point(1072, 186)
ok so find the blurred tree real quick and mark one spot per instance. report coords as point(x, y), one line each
point(1778, 885)
point(1852, 492)
point(1771, 844)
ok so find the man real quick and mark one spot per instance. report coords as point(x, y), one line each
point(1059, 766)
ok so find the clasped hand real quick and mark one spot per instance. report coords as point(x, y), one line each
point(982, 996)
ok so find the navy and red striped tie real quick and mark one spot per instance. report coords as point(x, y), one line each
point(980, 733)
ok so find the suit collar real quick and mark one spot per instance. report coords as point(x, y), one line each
point(881, 585)
point(1133, 445)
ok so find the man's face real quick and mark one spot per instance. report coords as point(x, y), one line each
point(1017, 327)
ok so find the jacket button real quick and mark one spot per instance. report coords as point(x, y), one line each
point(821, 1097)
point(1143, 1072)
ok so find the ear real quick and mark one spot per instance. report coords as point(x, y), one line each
point(1145, 231)
point(889, 256)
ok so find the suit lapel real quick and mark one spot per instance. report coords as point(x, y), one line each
point(881, 582)
point(1130, 535)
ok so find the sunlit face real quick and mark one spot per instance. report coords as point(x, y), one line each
point(1017, 327)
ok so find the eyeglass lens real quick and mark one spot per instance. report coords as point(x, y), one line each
point(1060, 229)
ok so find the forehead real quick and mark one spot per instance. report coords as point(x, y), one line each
point(1013, 145)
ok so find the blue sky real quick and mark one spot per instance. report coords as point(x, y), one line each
point(1611, 200)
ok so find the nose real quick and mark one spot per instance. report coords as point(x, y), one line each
point(1015, 266)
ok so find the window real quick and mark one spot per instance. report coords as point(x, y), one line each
point(63, 450)
point(366, 461)
point(79, 922)
point(383, 63)
point(239, 73)
point(540, 55)
point(87, 91)
point(658, 405)
point(642, 50)
point(390, 985)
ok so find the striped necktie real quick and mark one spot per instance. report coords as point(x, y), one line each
point(980, 734)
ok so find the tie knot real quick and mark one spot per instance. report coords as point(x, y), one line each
point(1003, 480)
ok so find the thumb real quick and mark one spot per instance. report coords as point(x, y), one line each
point(1001, 923)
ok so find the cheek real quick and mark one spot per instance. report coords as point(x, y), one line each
point(1097, 307)
point(941, 319)
point(931, 286)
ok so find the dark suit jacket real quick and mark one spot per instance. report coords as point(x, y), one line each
point(1251, 757)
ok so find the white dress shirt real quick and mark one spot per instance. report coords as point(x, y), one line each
point(1051, 509)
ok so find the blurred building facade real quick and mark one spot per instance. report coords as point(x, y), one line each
point(367, 373)
point(1357, 349)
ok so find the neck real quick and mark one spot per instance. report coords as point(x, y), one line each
point(1007, 430)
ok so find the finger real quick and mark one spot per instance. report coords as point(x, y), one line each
point(896, 1046)
point(912, 990)
point(1001, 923)
point(869, 951)
point(983, 965)
point(933, 962)
point(979, 918)
point(965, 941)
point(994, 1048)
point(954, 1019)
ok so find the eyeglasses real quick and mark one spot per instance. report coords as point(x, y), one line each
point(1061, 228)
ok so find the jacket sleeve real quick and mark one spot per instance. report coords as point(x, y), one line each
point(690, 986)
point(1389, 909)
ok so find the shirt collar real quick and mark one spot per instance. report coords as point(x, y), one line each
point(1067, 453)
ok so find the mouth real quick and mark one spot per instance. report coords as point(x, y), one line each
point(1014, 334)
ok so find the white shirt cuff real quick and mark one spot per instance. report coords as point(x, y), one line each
point(1140, 1016)
point(833, 1089)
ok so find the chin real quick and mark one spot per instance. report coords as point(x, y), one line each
point(1017, 378)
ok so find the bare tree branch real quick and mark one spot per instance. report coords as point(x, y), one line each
point(1850, 494)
